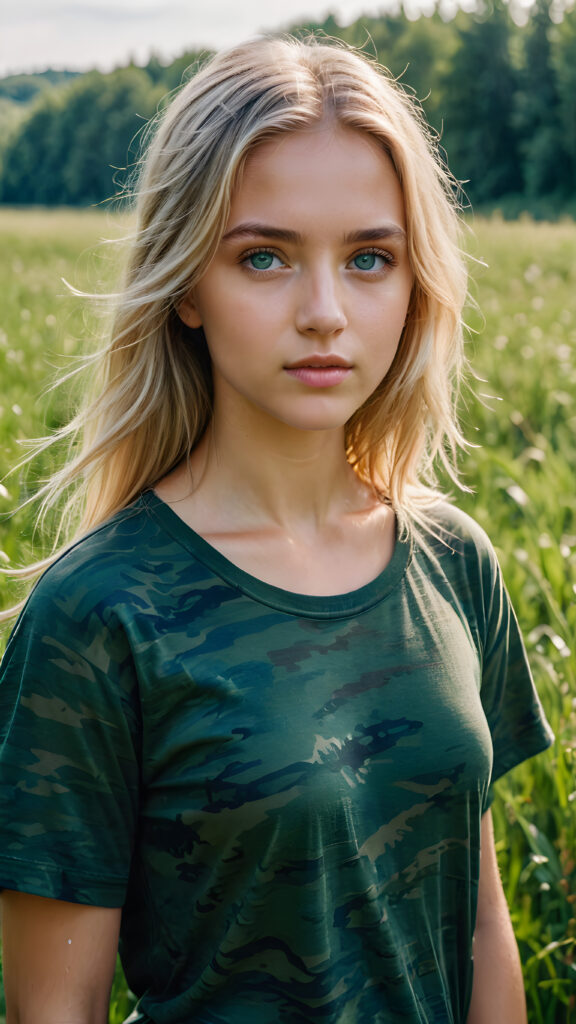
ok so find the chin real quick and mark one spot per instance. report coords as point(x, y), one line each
point(317, 425)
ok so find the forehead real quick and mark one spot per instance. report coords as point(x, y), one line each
point(329, 171)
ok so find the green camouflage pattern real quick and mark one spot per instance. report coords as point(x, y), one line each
point(284, 792)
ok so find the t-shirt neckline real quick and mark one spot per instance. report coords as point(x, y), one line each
point(330, 606)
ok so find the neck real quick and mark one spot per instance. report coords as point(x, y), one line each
point(278, 475)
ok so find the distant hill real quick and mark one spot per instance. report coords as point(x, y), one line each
point(24, 88)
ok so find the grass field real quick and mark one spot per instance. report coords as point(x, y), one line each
point(521, 417)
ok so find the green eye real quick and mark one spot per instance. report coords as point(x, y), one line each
point(261, 260)
point(366, 261)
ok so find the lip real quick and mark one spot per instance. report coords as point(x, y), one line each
point(319, 376)
point(320, 362)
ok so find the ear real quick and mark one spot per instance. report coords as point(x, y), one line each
point(188, 312)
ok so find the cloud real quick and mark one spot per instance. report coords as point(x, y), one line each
point(77, 34)
point(103, 13)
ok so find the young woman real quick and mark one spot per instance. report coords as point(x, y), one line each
point(251, 715)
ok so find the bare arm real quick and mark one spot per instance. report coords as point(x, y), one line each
point(59, 960)
point(498, 990)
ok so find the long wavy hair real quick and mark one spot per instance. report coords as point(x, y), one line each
point(151, 397)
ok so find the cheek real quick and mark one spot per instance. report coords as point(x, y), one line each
point(396, 312)
point(383, 323)
point(237, 314)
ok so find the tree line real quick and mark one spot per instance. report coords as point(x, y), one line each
point(500, 95)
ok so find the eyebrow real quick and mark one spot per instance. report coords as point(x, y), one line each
point(255, 230)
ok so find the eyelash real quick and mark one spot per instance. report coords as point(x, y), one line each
point(244, 257)
point(386, 256)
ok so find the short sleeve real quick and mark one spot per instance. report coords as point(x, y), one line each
point(513, 710)
point(69, 742)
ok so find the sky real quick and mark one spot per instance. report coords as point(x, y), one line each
point(78, 34)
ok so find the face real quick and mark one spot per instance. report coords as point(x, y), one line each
point(305, 300)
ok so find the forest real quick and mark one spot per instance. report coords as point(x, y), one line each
point(497, 85)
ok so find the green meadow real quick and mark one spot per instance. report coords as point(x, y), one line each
point(519, 415)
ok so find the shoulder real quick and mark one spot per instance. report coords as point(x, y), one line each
point(73, 625)
point(456, 555)
point(446, 526)
point(105, 569)
point(104, 550)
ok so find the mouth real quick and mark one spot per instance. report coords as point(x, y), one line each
point(320, 362)
point(320, 371)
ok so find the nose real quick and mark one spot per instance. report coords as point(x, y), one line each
point(320, 311)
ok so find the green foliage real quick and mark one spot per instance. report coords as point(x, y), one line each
point(122, 1001)
point(17, 96)
point(502, 96)
point(548, 167)
point(69, 149)
point(171, 76)
point(563, 52)
point(11, 117)
point(521, 415)
point(480, 85)
point(23, 88)
point(524, 495)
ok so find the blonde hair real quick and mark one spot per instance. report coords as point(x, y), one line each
point(153, 397)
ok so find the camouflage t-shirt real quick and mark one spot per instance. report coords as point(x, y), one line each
point(284, 792)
